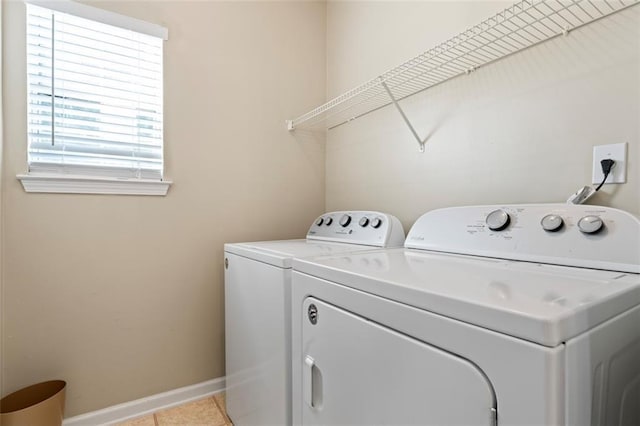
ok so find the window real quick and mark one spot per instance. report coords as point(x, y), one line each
point(94, 95)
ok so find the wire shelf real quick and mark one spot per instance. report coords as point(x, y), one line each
point(524, 24)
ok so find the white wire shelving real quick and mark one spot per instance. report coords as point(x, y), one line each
point(520, 26)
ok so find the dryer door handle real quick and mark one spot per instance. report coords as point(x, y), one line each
point(311, 383)
point(307, 380)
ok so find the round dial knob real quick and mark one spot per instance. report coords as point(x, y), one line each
point(497, 220)
point(551, 222)
point(320, 221)
point(364, 222)
point(345, 220)
point(329, 221)
point(376, 222)
point(590, 224)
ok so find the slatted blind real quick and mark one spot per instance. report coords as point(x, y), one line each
point(94, 97)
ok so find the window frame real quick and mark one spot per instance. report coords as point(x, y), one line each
point(60, 182)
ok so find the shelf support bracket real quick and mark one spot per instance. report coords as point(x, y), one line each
point(404, 116)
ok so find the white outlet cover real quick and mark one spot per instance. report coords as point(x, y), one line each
point(618, 153)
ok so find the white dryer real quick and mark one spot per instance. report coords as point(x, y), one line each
point(258, 308)
point(510, 315)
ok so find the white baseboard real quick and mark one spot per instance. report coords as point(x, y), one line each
point(150, 404)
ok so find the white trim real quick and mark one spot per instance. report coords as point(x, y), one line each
point(143, 406)
point(104, 16)
point(92, 185)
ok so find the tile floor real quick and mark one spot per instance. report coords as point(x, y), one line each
point(208, 411)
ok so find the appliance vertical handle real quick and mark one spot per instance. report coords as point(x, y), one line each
point(307, 380)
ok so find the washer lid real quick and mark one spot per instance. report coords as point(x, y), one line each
point(542, 303)
point(280, 253)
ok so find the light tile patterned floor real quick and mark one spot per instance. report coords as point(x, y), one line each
point(209, 411)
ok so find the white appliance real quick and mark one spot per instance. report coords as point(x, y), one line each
point(258, 308)
point(509, 315)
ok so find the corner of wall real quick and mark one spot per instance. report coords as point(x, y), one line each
point(326, 90)
point(2, 322)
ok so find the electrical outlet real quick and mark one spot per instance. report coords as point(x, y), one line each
point(618, 153)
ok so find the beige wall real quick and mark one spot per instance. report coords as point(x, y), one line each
point(1, 213)
point(518, 131)
point(122, 296)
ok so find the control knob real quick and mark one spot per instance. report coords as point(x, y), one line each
point(320, 221)
point(329, 221)
point(364, 222)
point(375, 223)
point(590, 224)
point(552, 222)
point(345, 220)
point(497, 220)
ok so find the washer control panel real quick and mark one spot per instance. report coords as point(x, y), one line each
point(358, 227)
point(562, 234)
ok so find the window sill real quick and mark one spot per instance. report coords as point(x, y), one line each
point(68, 184)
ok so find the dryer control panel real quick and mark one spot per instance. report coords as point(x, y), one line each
point(562, 234)
point(358, 227)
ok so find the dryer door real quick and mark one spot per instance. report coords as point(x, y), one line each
point(358, 372)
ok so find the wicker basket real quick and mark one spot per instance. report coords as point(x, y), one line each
point(41, 404)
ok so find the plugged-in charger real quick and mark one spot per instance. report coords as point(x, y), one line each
point(581, 195)
point(584, 193)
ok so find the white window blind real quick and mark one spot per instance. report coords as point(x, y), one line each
point(94, 98)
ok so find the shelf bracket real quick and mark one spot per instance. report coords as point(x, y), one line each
point(404, 116)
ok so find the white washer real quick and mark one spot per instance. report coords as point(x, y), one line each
point(258, 308)
point(510, 315)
